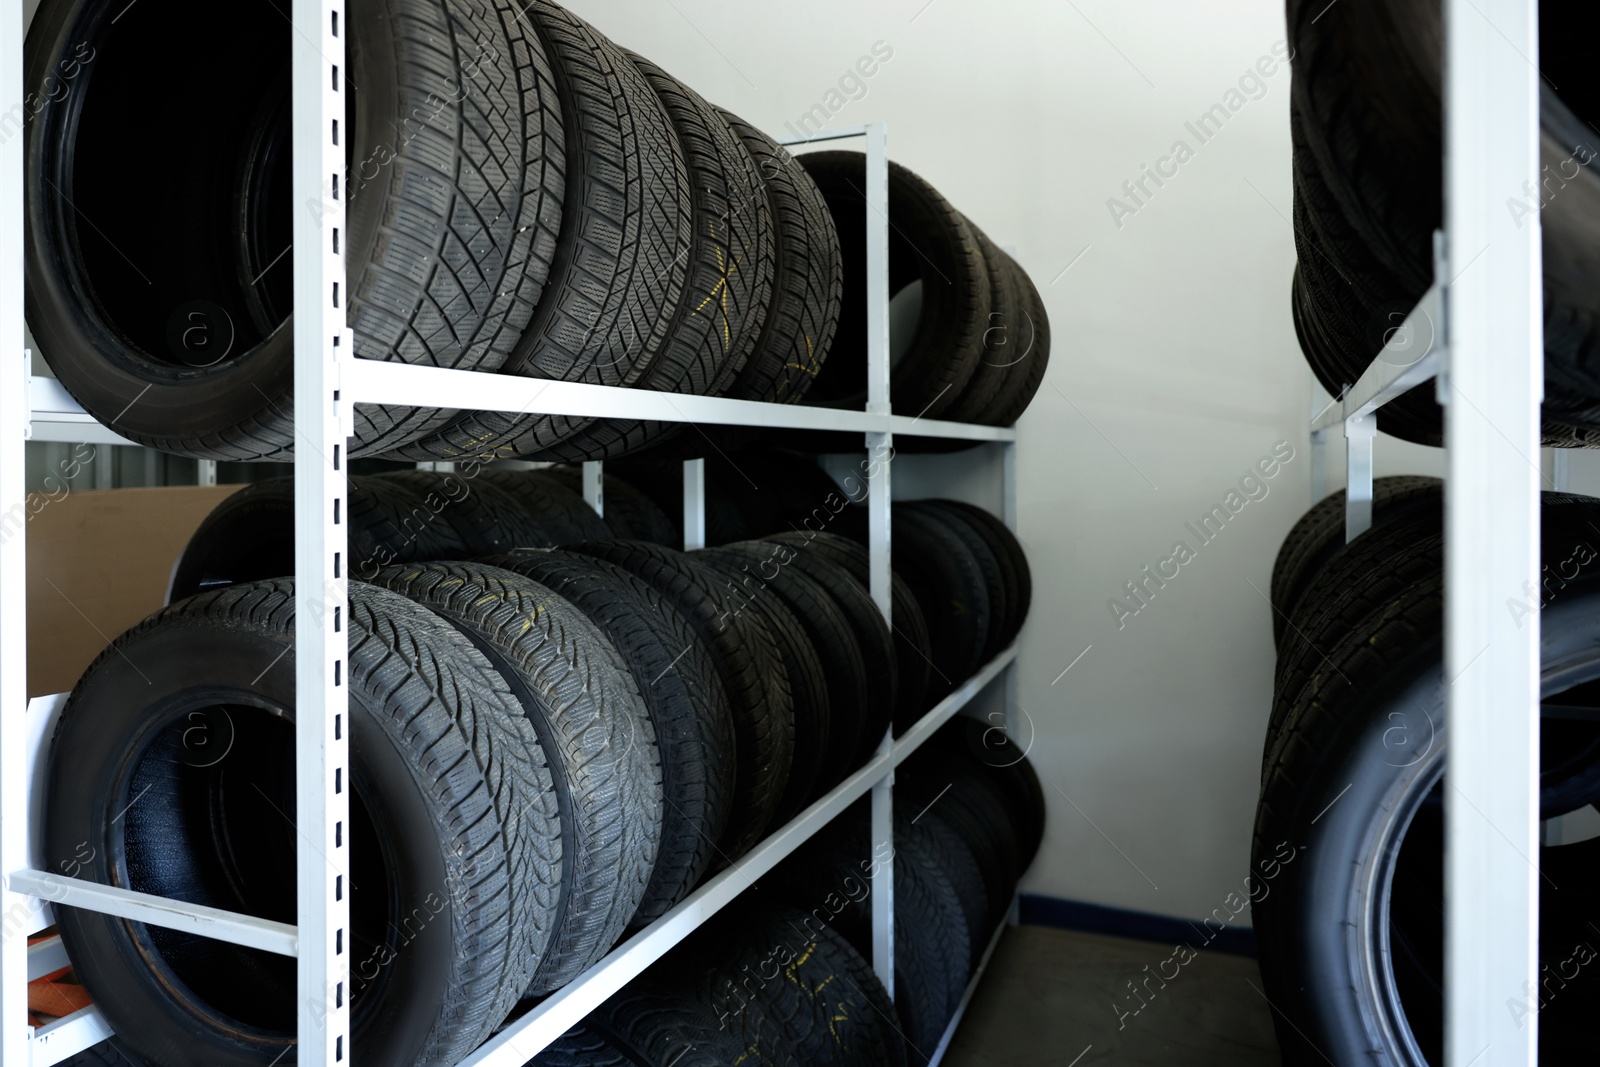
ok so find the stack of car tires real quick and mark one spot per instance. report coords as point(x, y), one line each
point(783, 977)
point(1366, 121)
point(1349, 831)
point(523, 197)
point(971, 339)
point(556, 734)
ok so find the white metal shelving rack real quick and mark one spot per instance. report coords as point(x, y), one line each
point(1479, 333)
point(328, 383)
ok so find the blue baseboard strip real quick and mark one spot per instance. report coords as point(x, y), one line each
point(1138, 925)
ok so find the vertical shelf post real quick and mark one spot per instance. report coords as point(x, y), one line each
point(694, 505)
point(1359, 430)
point(594, 486)
point(14, 413)
point(1492, 384)
point(1008, 513)
point(322, 567)
point(880, 452)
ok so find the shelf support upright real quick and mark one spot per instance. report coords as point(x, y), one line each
point(1493, 382)
point(14, 413)
point(694, 504)
point(594, 486)
point(1008, 514)
point(1359, 430)
point(880, 453)
point(322, 427)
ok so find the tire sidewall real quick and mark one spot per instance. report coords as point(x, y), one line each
point(119, 708)
point(1331, 902)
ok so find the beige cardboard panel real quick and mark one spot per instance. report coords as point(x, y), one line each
point(99, 563)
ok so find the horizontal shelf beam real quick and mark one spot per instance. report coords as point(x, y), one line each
point(67, 1036)
point(56, 416)
point(835, 133)
point(370, 381)
point(46, 957)
point(526, 1037)
point(946, 709)
point(1414, 353)
point(198, 919)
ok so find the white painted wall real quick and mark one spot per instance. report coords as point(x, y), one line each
point(1175, 369)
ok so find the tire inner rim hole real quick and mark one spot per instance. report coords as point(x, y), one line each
point(208, 819)
point(1569, 784)
point(176, 179)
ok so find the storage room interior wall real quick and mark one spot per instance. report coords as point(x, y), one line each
point(1175, 367)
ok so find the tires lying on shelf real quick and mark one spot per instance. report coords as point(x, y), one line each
point(168, 316)
point(957, 860)
point(597, 735)
point(1349, 830)
point(1365, 117)
point(970, 579)
point(403, 517)
point(629, 514)
point(684, 696)
point(752, 670)
point(970, 336)
point(597, 222)
point(757, 984)
point(172, 772)
point(730, 256)
point(1319, 536)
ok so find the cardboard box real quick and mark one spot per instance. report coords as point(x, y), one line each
point(99, 562)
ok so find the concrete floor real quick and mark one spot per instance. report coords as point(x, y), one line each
point(1052, 995)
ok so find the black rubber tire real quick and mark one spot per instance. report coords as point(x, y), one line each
point(1001, 592)
point(825, 1003)
point(855, 726)
point(802, 318)
point(449, 242)
point(1002, 762)
point(621, 260)
point(1376, 569)
point(455, 817)
point(595, 730)
point(752, 672)
point(1008, 551)
point(960, 864)
point(1319, 535)
point(1367, 730)
point(996, 362)
point(971, 801)
point(930, 242)
point(485, 517)
point(931, 938)
point(947, 579)
point(1366, 111)
point(661, 479)
point(914, 665)
point(813, 712)
point(682, 1012)
point(685, 698)
point(560, 510)
point(873, 639)
point(730, 259)
point(582, 1047)
point(776, 489)
point(250, 535)
point(1026, 352)
point(630, 514)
